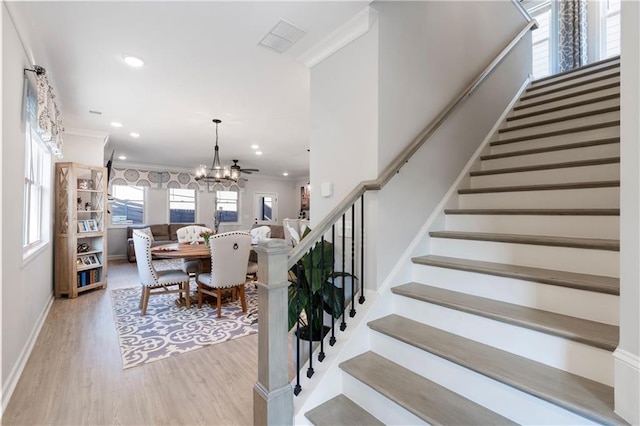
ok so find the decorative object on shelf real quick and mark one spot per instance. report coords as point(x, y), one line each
point(79, 201)
point(91, 225)
point(217, 173)
point(82, 226)
point(87, 206)
point(85, 184)
point(83, 248)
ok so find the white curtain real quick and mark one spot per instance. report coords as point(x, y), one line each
point(573, 34)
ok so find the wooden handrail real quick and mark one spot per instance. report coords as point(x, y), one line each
point(401, 159)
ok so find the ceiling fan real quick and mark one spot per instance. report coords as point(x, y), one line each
point(237, 167)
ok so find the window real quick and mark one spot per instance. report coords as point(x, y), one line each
point(127, 206)
point(610, 44)
point(182, 205)
point(542, 40)
point(37, 182)
point(227, 207)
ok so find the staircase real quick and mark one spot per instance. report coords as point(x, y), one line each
point(512, 317)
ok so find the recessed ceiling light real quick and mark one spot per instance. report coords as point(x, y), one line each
point(258, 152)
point(133, 61)
point(116, 124)
point(254, 146)
point(122, 157)
point(285, 174)
point(134, 135)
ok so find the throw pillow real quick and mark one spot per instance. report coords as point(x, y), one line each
point(147, 231)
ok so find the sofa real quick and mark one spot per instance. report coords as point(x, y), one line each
point(164, 233)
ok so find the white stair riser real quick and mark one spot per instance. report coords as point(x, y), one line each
point(566, 101)
point(569, 92)
point(561, 125)
point(577, 358)
point(560, 140)
point(604, 74)
point(562, 300)
point(585, 153)
point(608, 198)
point(577, 73)
point(594, 173)
point(595, 262)
point(377, 404)
point(596, 106)
point(558, 226)
point(500, 398)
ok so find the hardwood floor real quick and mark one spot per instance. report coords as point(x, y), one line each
point(74, 375)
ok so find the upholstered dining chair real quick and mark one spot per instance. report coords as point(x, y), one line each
point(189, 234)
point(152, 281)
point(229, 257)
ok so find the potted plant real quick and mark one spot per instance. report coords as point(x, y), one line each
point(315, 293)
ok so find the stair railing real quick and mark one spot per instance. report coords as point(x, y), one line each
point(283, 272)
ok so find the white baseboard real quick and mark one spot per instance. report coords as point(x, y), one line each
point(627, 390)
point(117, 257)
point(12, 380)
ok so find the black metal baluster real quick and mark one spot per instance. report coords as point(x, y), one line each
point(310, 315)
point(352, 313)
point(332, 339)
point(361, 300)
point(297, 388)
point(321, 354)
point(343, 325)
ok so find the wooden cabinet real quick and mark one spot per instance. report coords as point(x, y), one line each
point(80, 246)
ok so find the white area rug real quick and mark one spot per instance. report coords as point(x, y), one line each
point(167, 330)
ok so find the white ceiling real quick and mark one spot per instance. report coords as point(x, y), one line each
point(202, 61)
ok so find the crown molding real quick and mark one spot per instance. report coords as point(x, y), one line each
point(88, 134)
point(354, 28)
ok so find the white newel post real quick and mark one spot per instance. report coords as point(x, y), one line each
point(272, 393)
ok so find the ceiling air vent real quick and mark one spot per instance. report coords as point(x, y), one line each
point(282, 36)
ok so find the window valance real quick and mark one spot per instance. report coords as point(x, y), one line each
point(166, 179)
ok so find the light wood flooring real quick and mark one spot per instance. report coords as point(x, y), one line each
point(75, 377)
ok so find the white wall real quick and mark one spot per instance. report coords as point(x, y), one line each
point(84, 147)
point(627, 365)
point(371, 98)
point(27, 287)
point(344, 121)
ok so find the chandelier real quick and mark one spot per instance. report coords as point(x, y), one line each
point(217, 173)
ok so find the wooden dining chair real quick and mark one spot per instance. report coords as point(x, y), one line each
point(156, 282)
point(229, 257)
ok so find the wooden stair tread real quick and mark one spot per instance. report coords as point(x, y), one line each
point(559, 119)
point(592, 100)
point(341, 411)
point(540, 135)
point(577, 70)
point(585, 397)
point(592, 333)
point(565, 165)
point(535, 94)
point(539, 240)
point(554, 148)
point(427, 400)
point(571, 75)
point(604, 86)
point(542, 187)
point(537, 212)
point(595, 283)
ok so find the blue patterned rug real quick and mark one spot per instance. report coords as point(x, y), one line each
point(168, 330)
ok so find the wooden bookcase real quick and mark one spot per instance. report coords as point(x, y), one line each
point(80, 246)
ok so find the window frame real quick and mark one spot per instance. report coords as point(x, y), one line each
point(238, 206)
point(195, 204)
point(37, 175)
point(112, 199)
